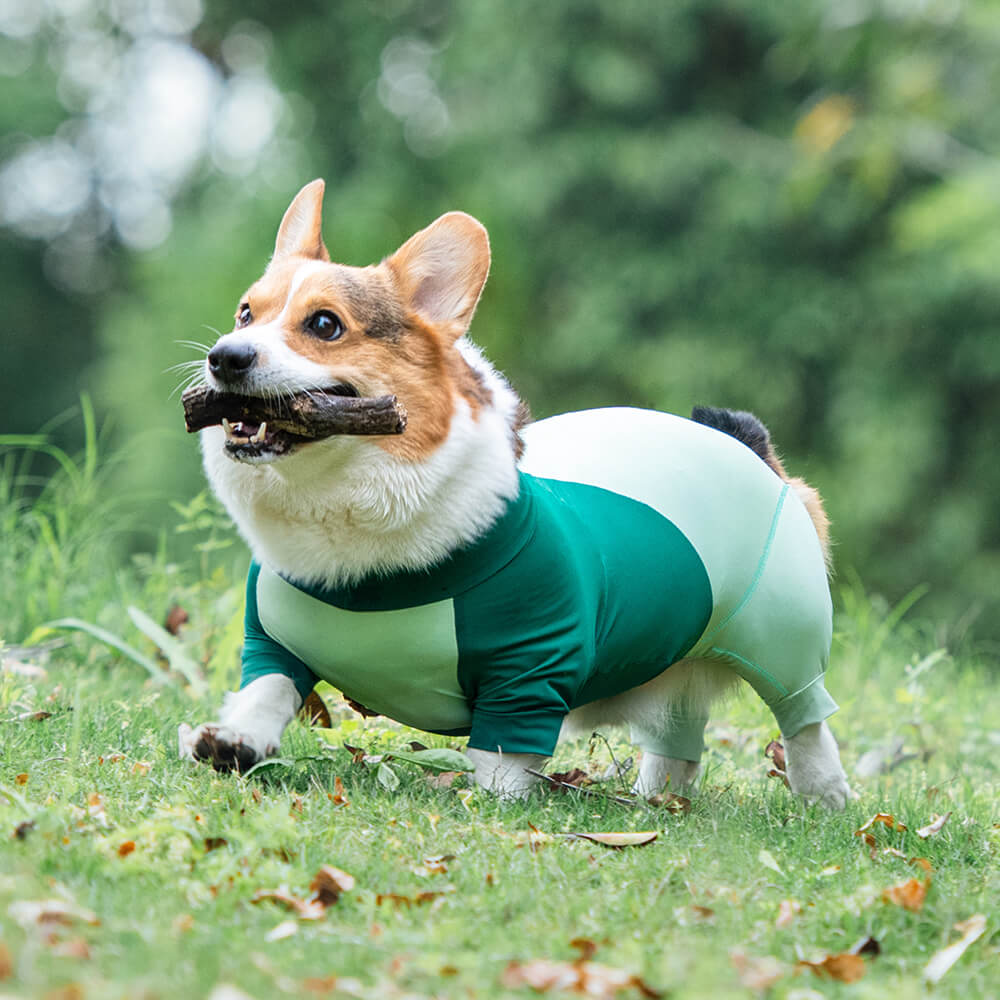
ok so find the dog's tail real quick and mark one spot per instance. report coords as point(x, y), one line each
point(745, 427)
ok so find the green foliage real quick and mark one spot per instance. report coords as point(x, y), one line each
point(783, 207)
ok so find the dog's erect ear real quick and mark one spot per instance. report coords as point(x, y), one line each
point(442, 269)
point(300, 233)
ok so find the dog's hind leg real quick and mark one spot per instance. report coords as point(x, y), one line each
point(657, 773)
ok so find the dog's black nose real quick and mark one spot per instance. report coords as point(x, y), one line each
point(230, 362)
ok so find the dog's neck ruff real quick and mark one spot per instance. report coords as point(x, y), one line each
point(460, 571)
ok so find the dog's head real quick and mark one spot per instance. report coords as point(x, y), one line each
point(310, 325)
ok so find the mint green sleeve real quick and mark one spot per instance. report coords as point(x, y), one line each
point(262, 655)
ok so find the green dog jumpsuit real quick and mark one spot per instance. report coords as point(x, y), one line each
point(637, 539)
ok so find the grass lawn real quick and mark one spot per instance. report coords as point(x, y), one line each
point(125, 872)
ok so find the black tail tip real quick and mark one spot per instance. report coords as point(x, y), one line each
point(739, 424)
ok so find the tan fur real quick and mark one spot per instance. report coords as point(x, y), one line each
point(400, 317)
point(813, 503)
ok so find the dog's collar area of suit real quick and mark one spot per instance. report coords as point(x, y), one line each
point(461, 571)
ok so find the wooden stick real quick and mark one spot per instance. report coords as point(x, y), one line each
point(316, 415)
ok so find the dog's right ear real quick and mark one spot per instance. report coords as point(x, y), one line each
point(299, 234)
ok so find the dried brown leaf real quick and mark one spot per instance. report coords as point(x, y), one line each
point(922, 863)
point(305, 909)
point(885, 819)
point(23, 829)
point(776, 752)
point(126, 848)
point(417, 899)
point(437, 865)
point(934, 826)
point(73, 948)
point(338, 798)
point(574, 777)
point(6, 962)
point(589, 978)
point(845, 967)
point(910, 895)
point(671, 802)
point(866, 946)
point(314, 712)
point(176, 617)
point(50, 911)
point(618, 840)
point(20, 779)
point(757, 973)
point(214, 843)
point(329, 882)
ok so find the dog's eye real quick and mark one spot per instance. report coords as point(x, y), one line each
point(325, 325)
point(243, 315)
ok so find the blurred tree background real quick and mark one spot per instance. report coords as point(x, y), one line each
point(792, 208)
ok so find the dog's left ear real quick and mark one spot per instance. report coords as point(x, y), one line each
point(300, 232)
point(442, 269)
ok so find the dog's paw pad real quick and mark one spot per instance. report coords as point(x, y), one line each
point(222, 753)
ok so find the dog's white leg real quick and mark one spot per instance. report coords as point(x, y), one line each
point(654, 771)
point(249, 728)
point(813, 767)
point(504, 773)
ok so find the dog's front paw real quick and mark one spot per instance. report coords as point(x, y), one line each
point(220, 746)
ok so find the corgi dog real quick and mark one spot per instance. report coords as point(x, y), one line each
point(487, 576)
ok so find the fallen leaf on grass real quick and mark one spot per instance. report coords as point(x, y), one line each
point(95, 809)
point(776, 753)
point(575, 778)
point(315, 713)
point(442, 779)
point(436, 865)
point(73, 948)
point(757, 973)
point(788, 910)
point(214, 843)
point(921, 863)
point(933, 827)
point(39, 913)
point(943, 960)
point(327, 885)
point(281, 931)
point(910, 895)
point(6, 962)
point(638, 838)
point(34, 716)
point(845, 967)
point(21, 779)
point(686, 915)
point(126, 848)
point(23, 829)
point(590, 978)
point(417, 899)
point(886, 819)
point(766, 858)
point(671, 802)
point(329, 882)
point(338, 798)
point(305, 909)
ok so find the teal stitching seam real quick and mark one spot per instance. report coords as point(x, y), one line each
point(750, 665)
point(754, 583)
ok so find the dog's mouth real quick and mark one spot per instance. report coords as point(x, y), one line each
point(260, 429)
